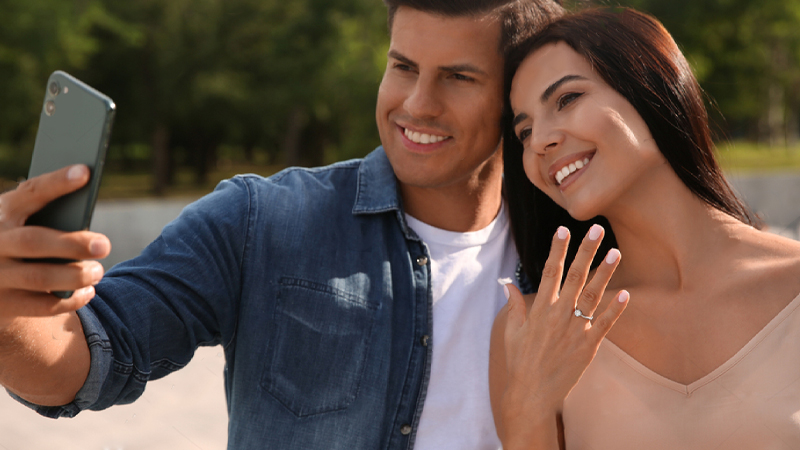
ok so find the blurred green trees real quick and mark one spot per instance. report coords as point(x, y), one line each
point(288, 82)
point(746, 54)
point(294, 82)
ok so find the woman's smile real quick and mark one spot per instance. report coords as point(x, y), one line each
point(564, 171)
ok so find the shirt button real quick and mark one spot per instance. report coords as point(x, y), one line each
point(405, 430)
point(424, 340)
point(422, 260)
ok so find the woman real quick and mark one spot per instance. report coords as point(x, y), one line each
point(607, 125)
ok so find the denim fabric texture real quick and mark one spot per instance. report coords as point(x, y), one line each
point(310, 281)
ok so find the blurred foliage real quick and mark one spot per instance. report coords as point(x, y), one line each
point(746, 55)
point(205, 85)
point(281, 82)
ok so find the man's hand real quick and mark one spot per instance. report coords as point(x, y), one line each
point(44, 356)
point(25, 286)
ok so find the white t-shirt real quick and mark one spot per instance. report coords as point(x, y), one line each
point(465, 268)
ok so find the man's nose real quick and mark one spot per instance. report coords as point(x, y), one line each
point(424, 100)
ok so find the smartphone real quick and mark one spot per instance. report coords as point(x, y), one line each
point(74, 128)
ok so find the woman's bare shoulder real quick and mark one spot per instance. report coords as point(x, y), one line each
point(768, 261)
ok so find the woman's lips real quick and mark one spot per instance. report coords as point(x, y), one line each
point(566, 168)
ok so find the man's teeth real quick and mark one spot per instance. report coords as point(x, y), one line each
point(570, 169)
point(422, 138)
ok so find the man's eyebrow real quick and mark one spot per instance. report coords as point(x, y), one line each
point(469, 68)
point(519, 118)
point(394, 54)
point(552, 88)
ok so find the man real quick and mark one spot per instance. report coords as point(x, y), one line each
point(354, 302)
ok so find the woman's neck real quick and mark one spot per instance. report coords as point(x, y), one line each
point(669, 238)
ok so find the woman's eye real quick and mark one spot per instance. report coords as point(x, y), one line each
point(566, 99)
point(523, 134)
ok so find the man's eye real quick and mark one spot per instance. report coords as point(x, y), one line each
point(566, 99)
point(461, 77)
point(403, 67)
point(523, 134)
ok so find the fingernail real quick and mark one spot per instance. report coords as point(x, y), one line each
point(505, 291)
point(613, 256)
point(88, 290)
point(624, 296)
point(97, 247)
point(595, 231)
point(76, 172)
point(562, 233)
point(97, 274)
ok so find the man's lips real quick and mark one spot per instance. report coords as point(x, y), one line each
point(569, 166)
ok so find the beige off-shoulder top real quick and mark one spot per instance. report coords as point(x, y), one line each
point(752, 401)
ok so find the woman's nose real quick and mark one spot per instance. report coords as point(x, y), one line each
point(545, 138)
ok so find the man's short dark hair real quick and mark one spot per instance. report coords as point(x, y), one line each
point(518, 18)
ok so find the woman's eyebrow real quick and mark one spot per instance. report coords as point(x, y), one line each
point(552, 88)
point(519, 118)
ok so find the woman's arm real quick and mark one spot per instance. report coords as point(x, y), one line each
point(538, 354)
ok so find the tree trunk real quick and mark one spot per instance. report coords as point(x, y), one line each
point(206, 159)
point(291, 140)
point(161, 160)
point(776, 116)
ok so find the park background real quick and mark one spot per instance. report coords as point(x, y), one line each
point(209, 88)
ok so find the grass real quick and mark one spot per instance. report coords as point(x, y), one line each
point(741, 156)
point(116, 185)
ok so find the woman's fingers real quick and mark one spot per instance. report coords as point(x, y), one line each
point(593, 292)
point(575, 281)
point(516, 309)
point(553, 268)
point(603, 323)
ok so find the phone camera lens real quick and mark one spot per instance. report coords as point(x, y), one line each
point(54, 88)
point(49, 107)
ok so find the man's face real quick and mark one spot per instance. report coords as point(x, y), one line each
point(441, 98)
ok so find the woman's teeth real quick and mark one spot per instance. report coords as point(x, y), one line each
point(570, 169)
point(422, 138)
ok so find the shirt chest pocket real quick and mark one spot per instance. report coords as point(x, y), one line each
point(320, 339)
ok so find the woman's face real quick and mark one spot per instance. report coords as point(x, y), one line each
point(585, 145)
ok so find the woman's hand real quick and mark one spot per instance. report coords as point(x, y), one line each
point(548, 348)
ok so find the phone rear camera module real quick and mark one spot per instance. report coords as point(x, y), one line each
point(49, 107)
point(54, 88)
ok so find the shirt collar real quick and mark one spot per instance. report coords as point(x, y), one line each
point(377, 190)
point(377, 185)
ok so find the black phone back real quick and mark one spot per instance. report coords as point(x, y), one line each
point(74, 128)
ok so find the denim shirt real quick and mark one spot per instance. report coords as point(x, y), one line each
point(315, 287)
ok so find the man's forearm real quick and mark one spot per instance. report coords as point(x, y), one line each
point(44, 360)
